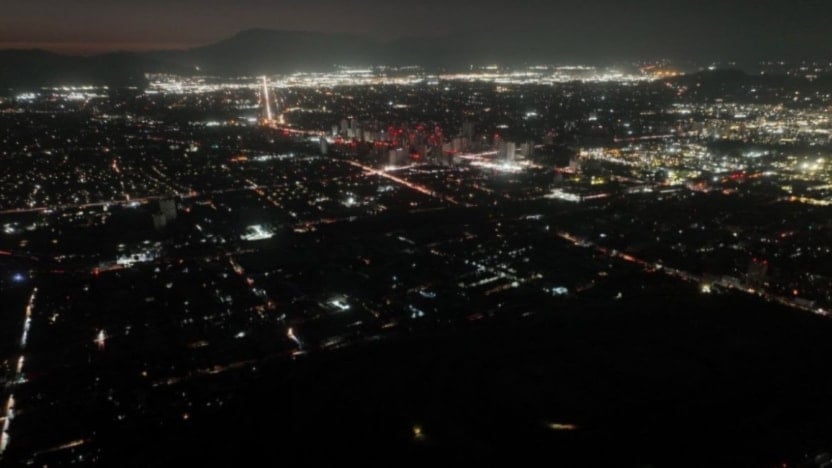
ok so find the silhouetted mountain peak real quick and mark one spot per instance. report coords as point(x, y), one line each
point(256, 51)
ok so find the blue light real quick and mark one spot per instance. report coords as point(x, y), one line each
point(18, 278)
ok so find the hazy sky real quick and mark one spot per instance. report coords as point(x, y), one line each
point(763, 27)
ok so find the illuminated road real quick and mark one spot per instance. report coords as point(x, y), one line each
point(194, 194)
point(656, 137)
point(268, 303)
point(419, 188)
point(692, 278)
point(17, 377)
point(137, 201)
point(277, 125)
point(262, 193)
point(80, 206)
point(67, 446)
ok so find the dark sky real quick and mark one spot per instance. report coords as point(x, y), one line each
point(627, 27)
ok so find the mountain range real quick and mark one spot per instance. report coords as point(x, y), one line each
point(250, 52)
point(264, 51)
point(259, 51)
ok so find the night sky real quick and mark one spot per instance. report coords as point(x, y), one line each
point(741, 28)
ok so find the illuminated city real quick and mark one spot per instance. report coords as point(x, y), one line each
point(622, 262)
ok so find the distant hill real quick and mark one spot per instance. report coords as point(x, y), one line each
point(260, 51)
point(254, 51)
point(27, 68)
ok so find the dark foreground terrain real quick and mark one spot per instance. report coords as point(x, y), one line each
point(652, 380)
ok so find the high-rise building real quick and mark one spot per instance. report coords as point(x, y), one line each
point(324, 146)
point(528, 149)
point(353, 129)
point(159, 221)
point(467, 130)
point(397, 157)
point(506, 151)
point(168, 209)
point(757, 270)
point(575, 163)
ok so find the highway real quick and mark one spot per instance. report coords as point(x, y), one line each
point(17, 376)
point(141, 200)
point(690, 277)
point(419, 188)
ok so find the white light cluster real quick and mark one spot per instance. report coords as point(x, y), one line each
point(172, 84)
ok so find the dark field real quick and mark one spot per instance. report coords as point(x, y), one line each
point(653, 380)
